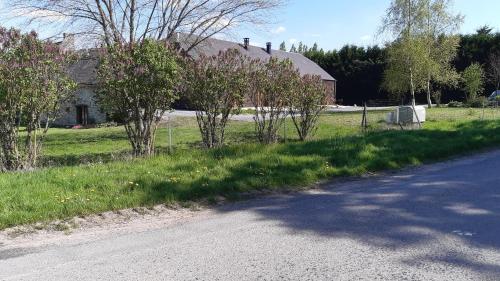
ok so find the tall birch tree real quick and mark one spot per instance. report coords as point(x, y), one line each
point(424, 48)
point(407, 56)
point(442, 44)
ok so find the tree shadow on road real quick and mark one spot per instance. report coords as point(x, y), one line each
point(405, 211)
point(399, 212)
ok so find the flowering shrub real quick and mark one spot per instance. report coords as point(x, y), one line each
point(138, 83)
point(273, 83)
point(33, 83)
point(307, 103)
point(216, 87)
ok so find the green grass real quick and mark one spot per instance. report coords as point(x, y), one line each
point(338, 149)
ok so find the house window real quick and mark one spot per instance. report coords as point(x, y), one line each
point(82, 114)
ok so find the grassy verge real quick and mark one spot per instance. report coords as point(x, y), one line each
point(193, 174)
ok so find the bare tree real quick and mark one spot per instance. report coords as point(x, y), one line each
point(494, 73)
point(120, 21)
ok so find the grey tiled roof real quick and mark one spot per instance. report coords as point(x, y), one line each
point(213, 46)
point(84, 71)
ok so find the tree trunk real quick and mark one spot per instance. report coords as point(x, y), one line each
point(10, 152)
point(429, 46)
point(412, 84)
point(429, 100)
point(412, 87)
point(413, 102)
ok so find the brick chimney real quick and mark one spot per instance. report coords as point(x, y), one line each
point(68, 42)
point(269, 46)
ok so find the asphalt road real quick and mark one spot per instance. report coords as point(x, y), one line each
point(438, 222)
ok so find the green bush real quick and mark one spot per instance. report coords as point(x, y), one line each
point(107, 124)
point(455, 104)
point(478, 102)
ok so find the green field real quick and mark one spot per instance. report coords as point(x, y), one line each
point(89, 171)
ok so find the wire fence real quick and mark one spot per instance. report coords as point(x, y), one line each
point(376, 118)
point(180, 130)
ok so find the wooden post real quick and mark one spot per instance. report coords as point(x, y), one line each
point(364, 121)
point(284, 129)
point(169, 135)
point(482, 117)
point(495, 111)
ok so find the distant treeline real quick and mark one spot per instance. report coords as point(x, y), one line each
point(359, 71)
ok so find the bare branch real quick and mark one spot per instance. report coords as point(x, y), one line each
point(124, 21)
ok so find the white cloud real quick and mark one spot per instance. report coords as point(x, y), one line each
point(366, 38)
point(222, 36)
point(293, 40)
point(39, 14)
point(278, 30)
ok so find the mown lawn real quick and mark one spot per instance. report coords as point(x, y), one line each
point(189, 173)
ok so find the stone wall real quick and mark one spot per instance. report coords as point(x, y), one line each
point(331, 86)
point(83, 96)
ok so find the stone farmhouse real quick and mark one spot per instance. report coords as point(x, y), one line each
point(84, 109)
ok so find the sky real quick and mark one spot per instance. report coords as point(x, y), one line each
point(334, 23)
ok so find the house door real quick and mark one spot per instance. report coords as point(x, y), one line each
point(82, 114)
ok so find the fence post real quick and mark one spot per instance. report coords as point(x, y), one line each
point(494, 107)
point(482, 116)
point(169, 135)
point(364, 122)
point(284, 129)
point(495, 111)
